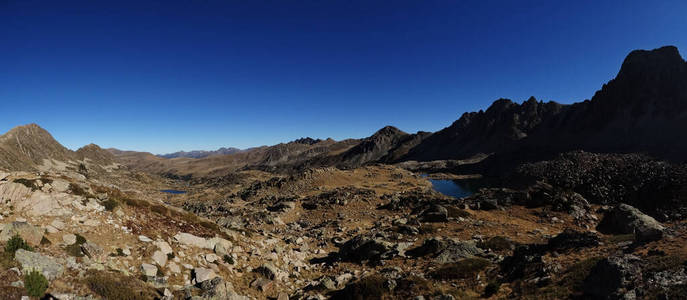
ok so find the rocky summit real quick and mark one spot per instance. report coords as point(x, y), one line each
point(579, 201)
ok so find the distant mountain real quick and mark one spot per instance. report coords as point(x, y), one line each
point(32, 148)
point(201, 153)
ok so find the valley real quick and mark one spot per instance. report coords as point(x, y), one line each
point(537, 200)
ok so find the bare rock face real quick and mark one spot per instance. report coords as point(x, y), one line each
point(47, 265)
point(625, 219)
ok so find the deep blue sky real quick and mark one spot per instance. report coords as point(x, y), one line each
point(162, 76)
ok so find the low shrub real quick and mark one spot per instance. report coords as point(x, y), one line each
point(35, 284)
point(15, 243)
point(117, 286)
point(110, 204)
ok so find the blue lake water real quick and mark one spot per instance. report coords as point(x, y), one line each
point(173, 191)
point(457, 188)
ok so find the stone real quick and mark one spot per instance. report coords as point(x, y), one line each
point(262, 284)
point(429, 246)
point(571, 239)
point(174, 267)
point(57, 224)
point(203, 274)
point(69, 239)
point(148, 270)
point(164, 247)
point(144, 239)
point(211, 258)
point(51, 229)
point(160, 258)
point(457, 250)
point(360, 249)
point(93, 251)
point(625, 219)
point(192, 240)
point(222, 246)
point(435, 213)
point(47, 265)
point(31, 234)
point(611, 277)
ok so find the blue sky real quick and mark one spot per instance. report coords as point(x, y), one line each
point(163, 76)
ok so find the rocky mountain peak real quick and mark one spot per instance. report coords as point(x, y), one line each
point(388, 131)
point(664, 60)
point(307, 141)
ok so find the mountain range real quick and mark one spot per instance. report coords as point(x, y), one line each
point(643, 109)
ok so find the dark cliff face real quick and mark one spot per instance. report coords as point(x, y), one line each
point(644, 109)
point(498, 128)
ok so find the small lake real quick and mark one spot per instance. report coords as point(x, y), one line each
point(173, 191)
point(458, 188)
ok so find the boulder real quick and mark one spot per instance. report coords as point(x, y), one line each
point(219, 289)
point(160, 258)
point(613, 277)
point(625, 219)
point(430, 246)
point(457, 250)
point(572, 239)
point(435, 213)
point(193, 241)
point(203, 274)
point(31, 234)
point(360, 248)
point(69, 239)
point(47, 265)
point(148, 270)
point(164, 247)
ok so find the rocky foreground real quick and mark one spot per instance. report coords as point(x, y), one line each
point(366, 233)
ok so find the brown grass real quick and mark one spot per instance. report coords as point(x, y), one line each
point(117, 286)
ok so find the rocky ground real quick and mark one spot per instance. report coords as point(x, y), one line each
point(374, 232)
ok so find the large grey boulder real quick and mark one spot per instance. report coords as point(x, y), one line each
point(625, 219)
point(47, 265)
